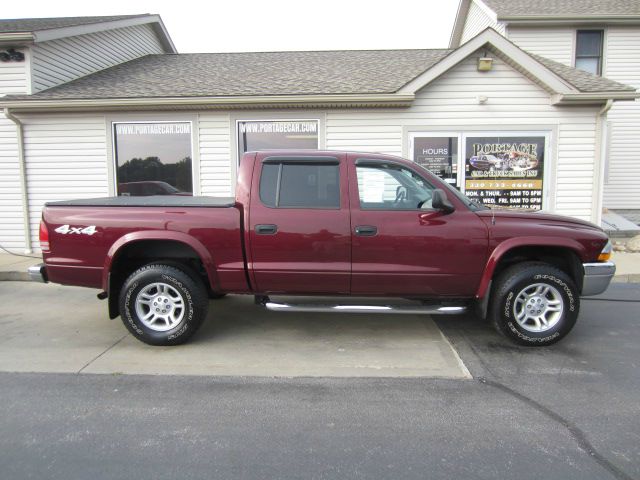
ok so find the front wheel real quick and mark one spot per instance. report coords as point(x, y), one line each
point(162, 304)
point(534, 304)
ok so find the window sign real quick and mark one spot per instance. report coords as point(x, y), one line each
point(439, 155)
point(505, 171)
point(153, 158)
point(277, 135)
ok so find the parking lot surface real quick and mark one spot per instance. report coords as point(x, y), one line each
point(49, 328)
point(569, 411)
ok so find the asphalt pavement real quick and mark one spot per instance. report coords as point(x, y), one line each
point(569, 411)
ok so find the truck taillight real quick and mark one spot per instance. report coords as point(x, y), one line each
point(44, 236)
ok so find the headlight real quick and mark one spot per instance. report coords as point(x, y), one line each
point(605, 254)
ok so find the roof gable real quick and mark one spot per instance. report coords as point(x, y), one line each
point(36, 30)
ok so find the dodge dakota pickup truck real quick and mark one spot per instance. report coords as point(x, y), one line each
point(325, 224)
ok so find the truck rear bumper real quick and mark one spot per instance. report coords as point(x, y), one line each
point(38, 273)
point(597, 277)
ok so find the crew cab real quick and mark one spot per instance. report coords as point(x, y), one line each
point(325, 224)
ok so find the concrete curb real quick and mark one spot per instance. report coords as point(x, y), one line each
point(14, 277)
point(629, 278)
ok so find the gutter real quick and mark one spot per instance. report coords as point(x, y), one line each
point(600, 149)
point(586, 98)
point(23, 180)
point(563, 19)
point(16, 38)
point(266, 101)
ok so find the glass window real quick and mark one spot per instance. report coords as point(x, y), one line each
point(277, 135)
point(298, 185)
point(392, 187)
point(589, 50)
point(153, 158)
point(439, 155)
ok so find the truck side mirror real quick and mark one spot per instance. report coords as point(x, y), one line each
point(439, 201)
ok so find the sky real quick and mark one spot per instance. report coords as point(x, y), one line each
point(273, 25)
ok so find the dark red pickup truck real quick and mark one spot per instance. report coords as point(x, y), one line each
point(314, 223)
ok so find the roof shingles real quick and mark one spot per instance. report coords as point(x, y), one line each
point(275, 73)
point(563, 8)
point(39, 24)
point(250, 74)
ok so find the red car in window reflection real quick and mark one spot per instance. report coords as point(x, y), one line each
point(147, 189)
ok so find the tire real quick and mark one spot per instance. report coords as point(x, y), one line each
point(162, 304)
point(534, 304)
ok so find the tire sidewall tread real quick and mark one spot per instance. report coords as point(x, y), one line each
point(193, 293)
point(512, 281)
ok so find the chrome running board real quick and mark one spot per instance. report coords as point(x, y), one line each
point(328, 308)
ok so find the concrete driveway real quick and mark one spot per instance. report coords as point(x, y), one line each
point(49, 328)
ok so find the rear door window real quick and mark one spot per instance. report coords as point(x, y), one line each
point(300, 185)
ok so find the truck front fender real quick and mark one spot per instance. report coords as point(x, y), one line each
point(504, 247)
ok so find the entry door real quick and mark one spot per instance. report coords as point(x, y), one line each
point(299, 225)
point(401, 248)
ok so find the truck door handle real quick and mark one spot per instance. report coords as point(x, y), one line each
point(266, 229)
point(366, 230)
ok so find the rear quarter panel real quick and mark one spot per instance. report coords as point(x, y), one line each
point(84, 260)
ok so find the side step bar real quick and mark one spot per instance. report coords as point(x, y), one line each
point(328, 308)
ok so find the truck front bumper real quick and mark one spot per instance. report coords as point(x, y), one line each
point(597, 277)
point(38, 273)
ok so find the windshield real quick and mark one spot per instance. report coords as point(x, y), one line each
point(472, 204)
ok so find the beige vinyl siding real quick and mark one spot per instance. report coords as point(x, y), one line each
point(478, 19)
point(11, 224)
point(14, 76)
point(66, 159)
point(553, 43)
point(216, 172)
point(59, 61)
point(622, 184)
point(514, 103)
point(13, 80)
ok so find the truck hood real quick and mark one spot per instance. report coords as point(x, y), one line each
point(538, 217)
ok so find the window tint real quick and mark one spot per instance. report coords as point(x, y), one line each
point(300, 185)
point(153, 158)
point(392, 187)
point(269, 184)
point(589, 51)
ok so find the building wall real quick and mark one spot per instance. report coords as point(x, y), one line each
point(66, 158)
point(450, 103)
point(554, 43)
point(216, 166)
point(59, 61)
point(622, 63)
point(13, 80)
point(478, 19)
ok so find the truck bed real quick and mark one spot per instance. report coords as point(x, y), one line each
point(152, 201)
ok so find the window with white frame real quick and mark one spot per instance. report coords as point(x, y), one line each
point(153, 158)
point(494, 168)
point(277, 135)
point(589, 50)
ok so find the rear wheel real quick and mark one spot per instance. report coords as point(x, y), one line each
point(534, 304)
point(163, 304)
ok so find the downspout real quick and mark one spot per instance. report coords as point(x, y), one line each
point(600, 156)
point(23, 180)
